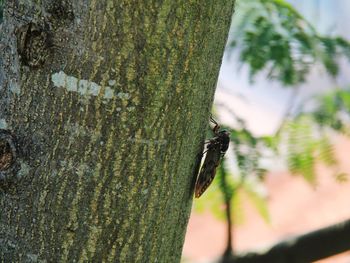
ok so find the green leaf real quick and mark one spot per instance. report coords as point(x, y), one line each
point(326, 152)
point(271, 36)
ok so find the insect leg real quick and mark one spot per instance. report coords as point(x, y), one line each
point(216, 127)
point(212, 120)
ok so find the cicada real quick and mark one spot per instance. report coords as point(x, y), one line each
point(215, 150)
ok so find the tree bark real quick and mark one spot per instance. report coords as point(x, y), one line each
point(309, 247)
point(104, 105)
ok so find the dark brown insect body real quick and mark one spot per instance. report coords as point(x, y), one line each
point(216, 148)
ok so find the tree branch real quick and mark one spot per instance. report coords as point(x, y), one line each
point(308, 247)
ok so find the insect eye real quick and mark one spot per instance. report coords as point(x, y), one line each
point(224, 132)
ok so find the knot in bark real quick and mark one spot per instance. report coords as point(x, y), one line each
point(33, 44)
point(8, 154)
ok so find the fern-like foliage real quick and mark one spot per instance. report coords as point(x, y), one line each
point(333, 110)
point(309, 134)
point(307, 137)
point(305, 146)
point(271, 36)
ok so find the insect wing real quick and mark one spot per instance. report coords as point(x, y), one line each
point(207, 172)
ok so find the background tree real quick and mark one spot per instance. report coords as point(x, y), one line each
point(103, 105)
point(272, 38)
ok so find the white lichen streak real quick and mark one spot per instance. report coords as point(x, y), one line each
point(14, 87)
point(86, 87)
point(3, 124)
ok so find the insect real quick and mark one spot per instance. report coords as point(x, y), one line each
point(216, 149)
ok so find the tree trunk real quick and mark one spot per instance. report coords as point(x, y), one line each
point(103, 111)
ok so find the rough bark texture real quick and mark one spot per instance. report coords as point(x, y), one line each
point(108, 103)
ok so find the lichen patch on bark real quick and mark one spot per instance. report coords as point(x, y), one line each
point(3, 124)
point(86, 87)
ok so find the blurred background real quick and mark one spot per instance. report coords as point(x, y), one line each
point(283, 92)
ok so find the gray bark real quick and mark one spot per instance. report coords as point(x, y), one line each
point(105, 106)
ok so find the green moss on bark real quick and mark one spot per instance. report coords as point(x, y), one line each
point(112, 180)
